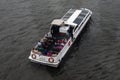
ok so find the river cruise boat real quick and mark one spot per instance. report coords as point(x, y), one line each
point(63, 32)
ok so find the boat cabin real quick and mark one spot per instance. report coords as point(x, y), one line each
point(58, 26)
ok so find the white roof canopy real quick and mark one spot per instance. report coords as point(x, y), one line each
point(57, 22)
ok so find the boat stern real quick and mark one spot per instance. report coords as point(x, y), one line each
point(45, 60)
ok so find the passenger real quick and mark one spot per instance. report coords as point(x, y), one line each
point(41, 49)
point(49, 53)
point(57, 48)
point(70, 32)
point(48, 35)
point(54, 53)
point(64, 41)
point(46, 41)
point(54, 30)
point(45, 52)
point(50, 38)
point(34, 50)
point(39, 43)
point(60, 42)
point(57, 42)
point(44, 45)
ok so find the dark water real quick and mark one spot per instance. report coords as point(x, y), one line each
point(94, 56)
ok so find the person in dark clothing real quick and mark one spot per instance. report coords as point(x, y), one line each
point(52, 31)
point(41, 49)
point(70, 32)
point(55, 30)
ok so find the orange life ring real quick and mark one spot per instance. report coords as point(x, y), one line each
point(51, 60)
point(33, 56)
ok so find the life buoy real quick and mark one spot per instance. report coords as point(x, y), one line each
point(33, 56)
point(51, 60)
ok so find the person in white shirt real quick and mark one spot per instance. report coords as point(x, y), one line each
point(39, 43)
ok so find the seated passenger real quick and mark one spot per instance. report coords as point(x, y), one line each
point(34, 50)
point(41, 49)
point(49, 53)
point(60, 42)
point(57, 48)
point(39, 43)
point(54, 53)
point(49, 40)
point(48, 35)
point(44, 45)
point(45, 40)
point(70, 32)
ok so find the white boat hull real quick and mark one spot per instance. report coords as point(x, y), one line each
point(57, 59)
point(45, 63)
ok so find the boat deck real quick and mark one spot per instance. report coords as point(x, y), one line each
point(53, 47)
